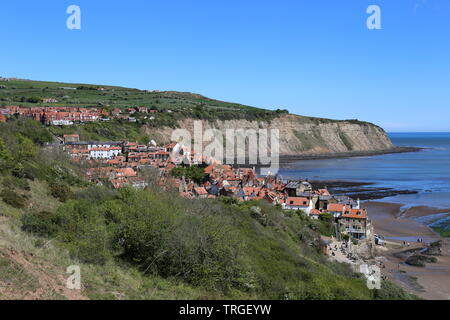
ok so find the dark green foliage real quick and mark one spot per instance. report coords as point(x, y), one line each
point(194, 173)
point(5, 156)
point(40, 223)
point(84, 231)
point(12, 182)
point(28, 128)
point(23, 172)
point(390, 291)
point(223, 246)
point(32, 99)
point(13, 198)
point(60, 191)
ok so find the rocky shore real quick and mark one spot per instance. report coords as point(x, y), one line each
point(287, 159)
point(359, 190)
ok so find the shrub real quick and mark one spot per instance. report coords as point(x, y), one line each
point(13, 199)
point(5, 156)
point(42, 224)
point(12, 182)
point(390, 291)
point(25, 148)
point(23, 172)
point(60, 191)
point(192, 173)
point(82, 228)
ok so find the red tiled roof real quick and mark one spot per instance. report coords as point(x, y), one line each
point(336, 207)
point(355, 214)
point(298, 201)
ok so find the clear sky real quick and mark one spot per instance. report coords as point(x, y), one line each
point(312, 57)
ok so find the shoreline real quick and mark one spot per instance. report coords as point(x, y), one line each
point(286, 159)
point(364, 191)
point(397, 225)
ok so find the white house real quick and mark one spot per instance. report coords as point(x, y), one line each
point(104, 153)
point(61, 122)
point(298, 203)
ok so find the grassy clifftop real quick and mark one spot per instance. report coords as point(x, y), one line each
point(184, 104)
point(299, 134)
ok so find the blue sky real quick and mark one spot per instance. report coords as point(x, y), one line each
point(314, 58)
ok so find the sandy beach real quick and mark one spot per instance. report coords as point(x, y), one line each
point(397, 226)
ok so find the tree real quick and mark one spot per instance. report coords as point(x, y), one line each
point(5, 155)
point(194, 173)
point(26, 148)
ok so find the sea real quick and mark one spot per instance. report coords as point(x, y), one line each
point(426, 171)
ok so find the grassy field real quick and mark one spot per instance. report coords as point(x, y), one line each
point(31, 94)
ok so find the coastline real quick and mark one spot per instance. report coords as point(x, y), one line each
point(359, 190)
point(397, 225)
point(286, 159)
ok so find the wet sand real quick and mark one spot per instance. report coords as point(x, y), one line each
point(431, 282)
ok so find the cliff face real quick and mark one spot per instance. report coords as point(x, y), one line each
point(302, 135)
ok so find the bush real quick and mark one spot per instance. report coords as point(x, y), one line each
point(42, 224)
point(198, 248)
point(60, 191)
point(83, 229)
point(390, 291)
point(222, 247)
point(12, 182)
point(194, 173)
point(23, 172)
point(13, 199)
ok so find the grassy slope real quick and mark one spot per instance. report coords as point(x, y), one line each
point(185, 105)
point(31, 268)
point(189, 104)
point(113, 96)
point(278, 252)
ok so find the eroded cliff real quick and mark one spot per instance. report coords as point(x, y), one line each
point(302, 135)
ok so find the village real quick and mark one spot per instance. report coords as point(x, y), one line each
point(122, 163)
point(67, 116)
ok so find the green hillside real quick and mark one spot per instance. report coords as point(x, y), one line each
point(151, 244)
point(30, 93)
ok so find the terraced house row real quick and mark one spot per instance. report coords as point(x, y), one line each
point(66, 116)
